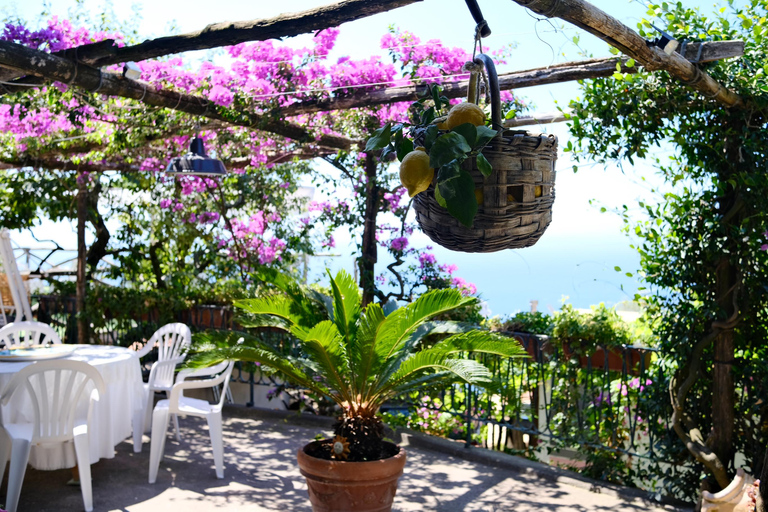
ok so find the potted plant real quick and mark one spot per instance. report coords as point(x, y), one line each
point(359, 358)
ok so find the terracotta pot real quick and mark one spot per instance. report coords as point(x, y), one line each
point(339, 486)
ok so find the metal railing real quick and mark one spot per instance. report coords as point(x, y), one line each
point(562, 396)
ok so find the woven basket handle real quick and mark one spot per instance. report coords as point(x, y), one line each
point(493, 78)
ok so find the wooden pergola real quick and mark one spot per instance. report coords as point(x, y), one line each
point(82, 67)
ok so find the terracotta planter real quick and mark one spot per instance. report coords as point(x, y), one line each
point(338, 486)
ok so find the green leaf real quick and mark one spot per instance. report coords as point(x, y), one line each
point(447, 147)
point(380, 138)
point(449, 171)
point(430, 135)
point(630, 63)
point(459, 194)
point(468, 131)
point(439, 198)
point(484, 165)
point(346, 303)
point(405, 147)
point(428, 116)
point(484, 136)
point(617, 268)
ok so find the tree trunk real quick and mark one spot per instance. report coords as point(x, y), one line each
point(369, 255)
point(98, 248)
point(723, 399)
point(82, 213)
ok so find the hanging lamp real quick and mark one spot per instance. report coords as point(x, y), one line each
point(196, 162)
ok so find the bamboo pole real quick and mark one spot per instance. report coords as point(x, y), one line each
point(609, 29)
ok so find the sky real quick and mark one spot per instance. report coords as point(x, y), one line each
point(576, 259)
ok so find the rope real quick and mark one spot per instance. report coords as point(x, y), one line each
point(101, 80)
point(144, 94)
point(69, 84)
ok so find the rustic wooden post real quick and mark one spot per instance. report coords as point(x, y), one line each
point(368, 255)
point(82, 212)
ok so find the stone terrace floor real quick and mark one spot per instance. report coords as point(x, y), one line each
point(261, 475)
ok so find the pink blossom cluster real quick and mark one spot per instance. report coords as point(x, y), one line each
point(57, 35)
point(254, 239)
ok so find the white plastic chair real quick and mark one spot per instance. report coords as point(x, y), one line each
point(27, 334)
point(180, 404)
point(171, 340)
point(55, 392)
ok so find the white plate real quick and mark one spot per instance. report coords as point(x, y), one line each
point(37, 353)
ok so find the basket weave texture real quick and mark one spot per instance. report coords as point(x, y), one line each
point(511, 216)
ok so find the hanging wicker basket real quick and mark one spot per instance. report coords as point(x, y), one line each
point(517, 198)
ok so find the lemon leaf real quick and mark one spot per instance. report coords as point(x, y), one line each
point(484, 136)
point(380, 138)
point(484, 165)
point(405, 147)
point(439, 198)
point(430, 135)
point(462, 205)
point(468, 131)
point(447, 147)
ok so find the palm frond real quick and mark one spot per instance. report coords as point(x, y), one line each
point(323, 344)
point(346, 304)
point(362, 350)
point(212, 348)
point(483, 342)
point(467, 370)
point(307, 304)
point(390, 366)
point(402, 322)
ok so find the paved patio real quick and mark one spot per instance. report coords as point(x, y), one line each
point(261, 475)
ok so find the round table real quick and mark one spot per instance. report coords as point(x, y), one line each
point(112, 414)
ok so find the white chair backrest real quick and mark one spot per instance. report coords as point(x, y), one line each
point(18, 292)
point(27, 334)
point(171, 340)
point(55, 390)
point(222, 372)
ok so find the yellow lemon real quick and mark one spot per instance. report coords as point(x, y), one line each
point(537, 191)
point(443, 126)
point(479, 196)
point(465, 113)
point(415, 173)
point(510, 198)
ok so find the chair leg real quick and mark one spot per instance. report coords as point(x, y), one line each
point(148, 407)
point(138, 429)
point(217, 443)
point(157, 441)
point(83, 456)
point(5, 451)
point(176, 427)
point(19, 458)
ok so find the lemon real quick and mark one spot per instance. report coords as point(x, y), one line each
point(537, 191)
point(443, 126)
point(479, 196)
point(415, 173)
point(465, 113)
point(510, 198)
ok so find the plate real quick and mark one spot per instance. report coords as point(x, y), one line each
point(37, 353)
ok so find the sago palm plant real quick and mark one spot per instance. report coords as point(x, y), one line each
point(359, 358)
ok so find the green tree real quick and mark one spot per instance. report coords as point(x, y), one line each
point(698, 244)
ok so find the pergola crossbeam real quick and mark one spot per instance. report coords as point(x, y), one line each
point(609, 29)
point(559, 73)
point(55, 68)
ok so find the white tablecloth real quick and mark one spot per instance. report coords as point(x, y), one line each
point(112, 415)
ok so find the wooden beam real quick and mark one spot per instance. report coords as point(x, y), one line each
point(229, 33)
point(52, 67)
point(544, 118)
point(609, 29)
point(558, 73)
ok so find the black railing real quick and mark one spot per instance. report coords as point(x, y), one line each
point(563, 396)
